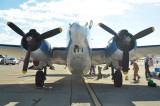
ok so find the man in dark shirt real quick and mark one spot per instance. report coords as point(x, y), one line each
point(147, 72)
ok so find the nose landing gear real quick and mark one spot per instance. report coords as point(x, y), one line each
point(40, 78)
point(118, 79)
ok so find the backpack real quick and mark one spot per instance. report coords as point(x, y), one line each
point(151, 83)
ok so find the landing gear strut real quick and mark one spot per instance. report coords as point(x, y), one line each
point(40, 78)
point(118, 78)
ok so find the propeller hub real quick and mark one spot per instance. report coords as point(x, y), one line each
point(125, 40)
point(29, 39)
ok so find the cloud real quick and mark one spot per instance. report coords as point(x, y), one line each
point(65, 9)
point(48, 15)
point(7, 39)
point(142, 1)
point(44, 16)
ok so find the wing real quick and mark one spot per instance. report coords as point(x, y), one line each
point(98, 56)
point(11, 50)
point(144, 51)
point(59, 55)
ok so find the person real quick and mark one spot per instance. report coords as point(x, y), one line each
point(99, 73)
point(147, 72)
point(92, 69)
point(112, 70)
point(136, 69)
point(159, 75)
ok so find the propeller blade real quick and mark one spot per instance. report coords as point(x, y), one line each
point(49, 33)
point(125, 61)
point(108, 29)
point(144, 33)
point(16, 28)
point(26, 60)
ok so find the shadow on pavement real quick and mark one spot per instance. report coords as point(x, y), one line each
point(124, 96)
point(63, 92)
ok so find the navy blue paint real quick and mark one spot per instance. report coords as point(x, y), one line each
point(89, 50)
point(111, 48)
point(6, 45)
point(69, 45)
point(69, 41)
point(147, 46)
point(59, 48)
point(97, 49)
point(45, 47)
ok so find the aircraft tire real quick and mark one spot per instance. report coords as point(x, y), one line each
point(118, 79)
point(39, 79)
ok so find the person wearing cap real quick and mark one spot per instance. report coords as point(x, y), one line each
point(147, 72)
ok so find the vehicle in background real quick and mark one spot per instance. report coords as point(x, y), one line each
point(11, 60)
point(1, 57)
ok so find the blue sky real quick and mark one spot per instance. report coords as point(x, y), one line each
point(44, 15)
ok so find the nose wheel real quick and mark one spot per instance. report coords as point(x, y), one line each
point(39, 79)
point(118, 79)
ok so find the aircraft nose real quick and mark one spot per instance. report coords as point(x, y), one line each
point(77, 36)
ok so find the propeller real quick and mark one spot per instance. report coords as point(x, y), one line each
point(16, 28)
point(108, 29)
point(33, 39)
point(26, 60)
point(125, 41)
point(144, 33)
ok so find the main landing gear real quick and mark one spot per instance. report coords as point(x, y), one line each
point(40, 78)
point(118, 78)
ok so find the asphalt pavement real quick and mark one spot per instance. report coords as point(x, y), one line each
point(63, 89)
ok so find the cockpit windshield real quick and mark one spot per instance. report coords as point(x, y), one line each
point(75, 28)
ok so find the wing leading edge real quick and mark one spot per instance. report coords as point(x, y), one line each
point(98, 56)
point(59, 55)
point(149, 50)
point(11, 50)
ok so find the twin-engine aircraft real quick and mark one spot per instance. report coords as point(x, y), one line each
point(78, 56)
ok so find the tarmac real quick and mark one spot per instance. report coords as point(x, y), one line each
point(63, 89)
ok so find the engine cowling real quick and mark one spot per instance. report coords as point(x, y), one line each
point(32, 40)
point(42, 51)
point(125, 42)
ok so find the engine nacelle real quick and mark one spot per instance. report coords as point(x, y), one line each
point(114, 53)
point(42, 51)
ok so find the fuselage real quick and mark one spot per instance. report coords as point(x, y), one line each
point(79, 52)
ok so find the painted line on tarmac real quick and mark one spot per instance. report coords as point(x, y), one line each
point(92, 93)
